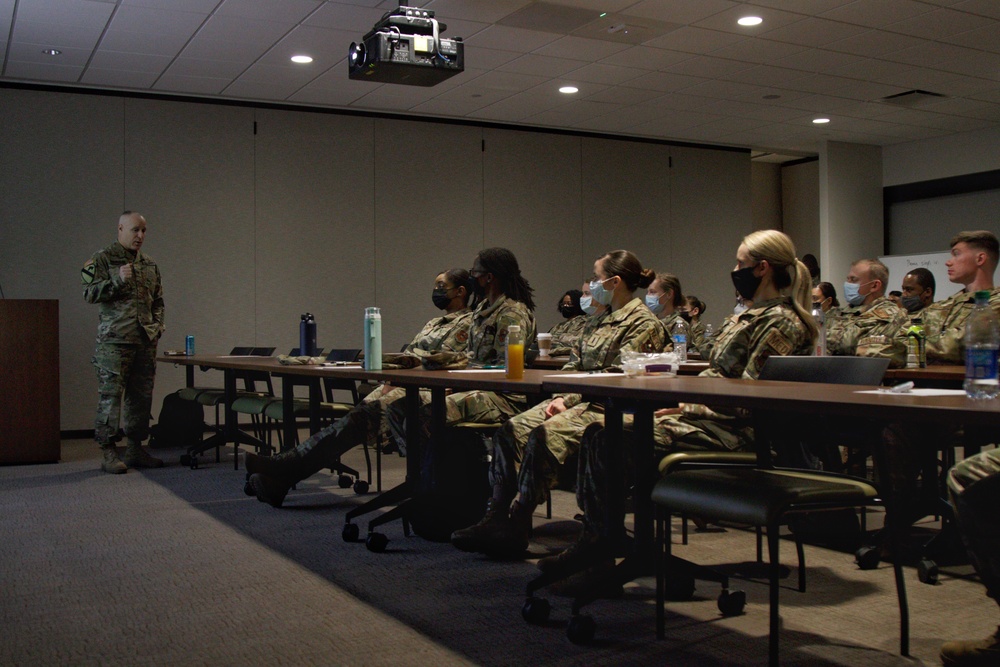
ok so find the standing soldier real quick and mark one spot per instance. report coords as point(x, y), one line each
point(126, 285)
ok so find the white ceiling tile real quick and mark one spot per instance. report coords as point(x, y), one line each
point(605, 74)
point(758, 51)
point(153, 43)
point(709, 67)
point(277, 11)
point(578, 48)
point(200, 6)
point(85, 15)
point(679, 11)
point(695, 40)
point(814, 32)
point(622, 95)
point(571, 114)
point(665, 81)
point(153, 21)
point(817, 60)
point(212, 69)
point(937, 24)
point(986, 38)
point(877, 13)
point(727, 20)
point(33, 71)
point(541, 65)
point(137, 62)
point(324, 45)
point(259, 90)
point(350, 17)
point(930, 54)
point(874, 43)
point(118, 78)
point(511, 39)
point(725, 89)
point(981, 7)
point(488, 58)
point(25, 52)
point(645, 57)
point(486, 11)
point(985, 65)
point(193, 85)
point(59, 36)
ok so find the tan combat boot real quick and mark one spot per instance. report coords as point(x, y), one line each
point(137, 457)
point(110, 462)
point(973, 652)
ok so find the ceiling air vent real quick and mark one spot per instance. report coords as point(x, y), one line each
point(912, 98)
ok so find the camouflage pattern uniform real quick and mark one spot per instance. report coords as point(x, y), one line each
point(696, 338)
point(974, 487)
point(742, 347)
point(944, 326)
point(368, 422)
point(130, 325)
point(538, 446)
point(566, 334)
point(486, 347)
point(871, 331)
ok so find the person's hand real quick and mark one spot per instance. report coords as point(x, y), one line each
point(125, 272)
point(663, 412)
point(386, 388)
point(555, 407)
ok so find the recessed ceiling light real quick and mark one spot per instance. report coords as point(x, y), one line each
point(569, 90)
point(302, 60)
point(51, 52)
point(750, 21)
point(821, 121)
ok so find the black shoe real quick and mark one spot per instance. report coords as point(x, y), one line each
point(270, 490)
point(586, 552)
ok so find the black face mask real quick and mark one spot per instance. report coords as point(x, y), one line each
point(817, 305)
point(912, 303)
point(745, 282)
point(440, 297)
point(479, 290)
point(685, 315)
point(567, 311)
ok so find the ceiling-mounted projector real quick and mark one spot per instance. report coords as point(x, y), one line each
point(405, 47)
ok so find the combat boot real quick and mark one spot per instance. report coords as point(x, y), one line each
point(589, 550)
point(494, 522)
point(270, 490)
point(269, 465)
point(110, 462)
point(137, 457)
point(972, 652)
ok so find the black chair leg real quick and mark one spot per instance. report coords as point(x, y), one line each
point(775, 571)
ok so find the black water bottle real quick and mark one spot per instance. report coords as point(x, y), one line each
point(307, 336)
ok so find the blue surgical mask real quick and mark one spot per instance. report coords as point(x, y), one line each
point(587, 304)
point(599, 294)
point(653, 303)
point(852, 293)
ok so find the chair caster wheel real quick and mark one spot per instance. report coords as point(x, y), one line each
point(361, 487)
point(867, 558)
point(732, 603)
point(581, 629)
point(351, 532)
point(680, 587)
point(536, 610)
point(345, 481)
point(927, 571)
point(248, 489)
point(376, 542)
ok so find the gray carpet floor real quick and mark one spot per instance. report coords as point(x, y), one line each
point(178, 567)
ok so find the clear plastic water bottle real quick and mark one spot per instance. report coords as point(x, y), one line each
point(679, 334)
point(709, 331)
point(982, 340)
point(820, 318)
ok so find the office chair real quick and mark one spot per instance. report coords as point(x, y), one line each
point(764, 495)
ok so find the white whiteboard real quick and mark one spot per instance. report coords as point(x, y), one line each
point(900, 265)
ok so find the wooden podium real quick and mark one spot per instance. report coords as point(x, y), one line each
point(29, 357)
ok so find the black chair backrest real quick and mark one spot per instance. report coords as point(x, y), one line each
point(832, 370)
point(296, 352)
point(343, 354)
point(240, 351)
point(262, 351)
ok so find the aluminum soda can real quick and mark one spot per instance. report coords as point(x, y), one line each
point(189, 346)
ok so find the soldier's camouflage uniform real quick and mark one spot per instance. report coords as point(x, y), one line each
point(742, 346)
point(974, 487)
point(566, 334)
point(870, 332)
point(130, 325)
point(529, 449)
point(696, 338)
point(944, 326)
point(368, 422)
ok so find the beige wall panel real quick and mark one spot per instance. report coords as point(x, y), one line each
point(800, 209)
point(533, 207)
point(710, 214)
point(61, 179)
point(428, 218)
point(765, 195)
point(315, 226)
point(626, 202)
point(189, 170)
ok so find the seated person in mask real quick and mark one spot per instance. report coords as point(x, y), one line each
point(824, 296)
point(869, 326)
point(694, 309)
point(567, 332)
point(272, 477)
point(918, 292)
point(530, 448)
point(664, 298)
point(769, 276)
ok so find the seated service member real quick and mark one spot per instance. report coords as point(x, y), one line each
point(567, 332)
point(918, 292)
point(529, 448)
point(272, 477)
point(692, 313)
point(665, 299)
point(505, 300)
point(868, 327)
point(777, 323)
point(825, 296)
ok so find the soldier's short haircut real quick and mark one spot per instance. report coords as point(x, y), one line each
point(981, 240)
point(924, 278)
point(876, 270)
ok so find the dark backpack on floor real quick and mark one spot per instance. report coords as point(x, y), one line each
point(180, 424)
point(454, 483)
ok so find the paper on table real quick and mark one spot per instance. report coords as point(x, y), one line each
point(480, 370)
point(916, 392)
